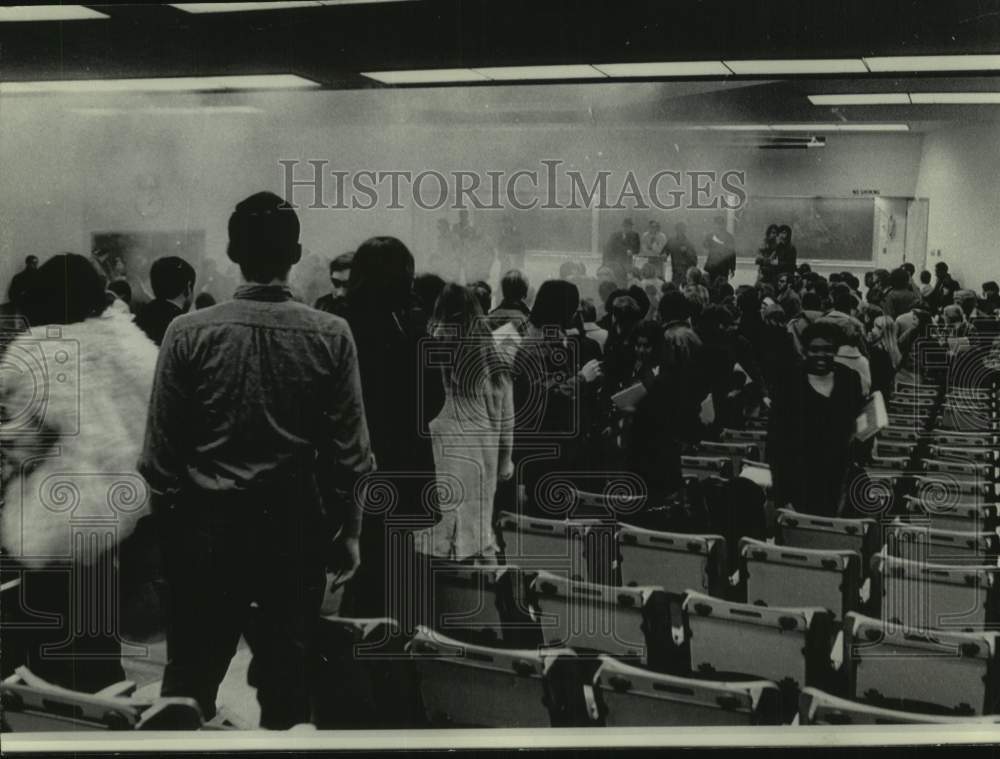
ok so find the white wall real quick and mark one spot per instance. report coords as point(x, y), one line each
point(960, 174)
point(64, 176)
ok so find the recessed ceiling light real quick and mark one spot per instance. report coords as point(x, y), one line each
point(49, 13)
point(840, 127)
point(426, 76)
point(516, 73)
point(164, 84)
point(955, 98)
point(862, 98)
point(666, 68)
point(801, 66)
point(738, 127)
point(934, 63)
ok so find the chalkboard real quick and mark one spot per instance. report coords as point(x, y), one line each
point(838, 229)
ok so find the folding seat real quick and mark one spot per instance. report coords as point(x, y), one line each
point(737, 452)
point(788, 646)
point(900, 420)
point(937, 596)
point(964, 439)
point(371, 655)
point(971, 454)
point(906, 668)
point(966, 471)
point(747, 437)
point(463, 685)
point(31, 704)
point(888, 464)
point(828, 533)
point(672, 561)
point(634, 623)
point(891, 448)
point(900, 434)
point(819, 708)
point(468, 602)
point(702, 467)
point(946, 488)
point(792, 577)
point(545, 544)
point(917, 542)
point(628, 696)
point(968, 416)
point(953, 515)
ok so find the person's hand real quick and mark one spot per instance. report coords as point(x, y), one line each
point(506, 471)
point(345, 558)
point(591, 371)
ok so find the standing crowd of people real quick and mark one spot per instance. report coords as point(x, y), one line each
point(393, 419)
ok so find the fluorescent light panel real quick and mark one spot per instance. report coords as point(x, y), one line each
point(801, 66)
point(275, 6)
point(906, 63)
point(165, 84)
point(955, 98)
point(863, 98)
point(49, 13)
point(516, 73)
point(666, 68)
point(426, 76)
point(839, 127)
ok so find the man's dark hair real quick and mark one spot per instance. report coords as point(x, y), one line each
point(853, 282)
point(381, 276)
point(991, 287)
point(787, 229)
point(427, 288)
point(204, 300)
point(29, 259)
point(68, 289)
point(342, 262)
point(843, 299)
point(674, 307)
point(588, 310)
point(555, 303)
point(626, 312)
point(925, 277)
point(824, 330)
point(514, 286)
point(805, 269)
point(771, 228)
point(122, 289)
point(821, 287)
point(910, 268)
point(836, 277)
point(941, 268)
point(811, 301)
point(170, 277)
point(899, 279)
point(639, 296)
point(264, 237)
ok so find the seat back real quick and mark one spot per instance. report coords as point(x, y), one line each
point(819, 708)
point(969, 453)
point(904, 668)
point(794, 577)
point(545, 544)
point(627, 696)
point(830, 534)
point(952, 514)
point(597, 618)
point(463, 685)
point(918, 542)
point(673, 561)
point(786, 646)
point(702, 467)
point(936, 596)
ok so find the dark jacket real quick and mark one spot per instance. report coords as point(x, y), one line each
point(155, 317)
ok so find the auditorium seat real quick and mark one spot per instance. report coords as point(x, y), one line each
point(969, 453)
point(920, 670)
point(463, 685)
point(828, 533)
point(963, 471)
point(964, 439)
point(819, 708)
point(30, 704)
point(756, 438)
point(737, 452)
point(788, 646)
point(533, 543)
point(628, 696)
point(673, 561)
point(952, 514)
point(917, 542)
point(370, 654)
point(891, 448)
point(937, 596)
point(464, 601)
point(702, 467)
point(634, 623)
point(901, 434)
point(792, 577)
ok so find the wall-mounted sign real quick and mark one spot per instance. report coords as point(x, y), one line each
point(861, 192)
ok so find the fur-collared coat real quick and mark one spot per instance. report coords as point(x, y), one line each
point(74, 400)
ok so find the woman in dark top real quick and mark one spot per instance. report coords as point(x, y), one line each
point(809, 440)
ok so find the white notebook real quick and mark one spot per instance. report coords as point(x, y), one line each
point(872, 419)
